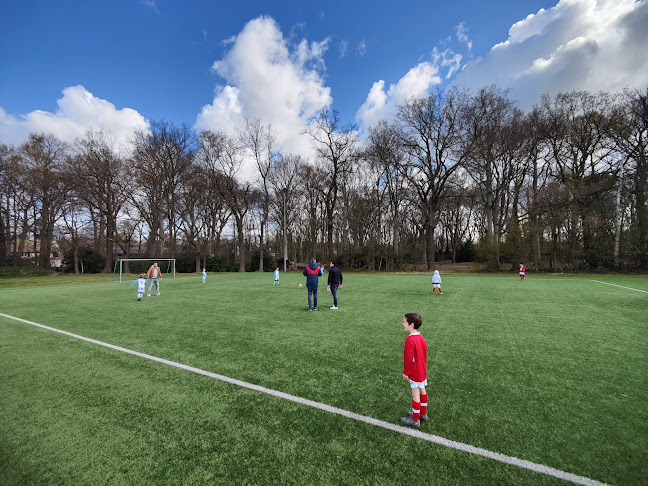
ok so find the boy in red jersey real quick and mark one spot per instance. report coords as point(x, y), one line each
point(415, 369)
point(521, 271)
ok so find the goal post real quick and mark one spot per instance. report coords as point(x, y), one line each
point(128, 269)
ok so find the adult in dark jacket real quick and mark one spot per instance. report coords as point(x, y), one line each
point(334, 282)
point(312, 272)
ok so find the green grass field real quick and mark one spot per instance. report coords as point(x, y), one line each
point(552, 370)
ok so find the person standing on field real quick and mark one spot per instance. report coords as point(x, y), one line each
point(276, 277)
point(334, 283)
point(415, 369)
point(436, 281)
point(155, 274)
point(521, 271)
point(141, 285)
point(312, 272)
point(204, 275)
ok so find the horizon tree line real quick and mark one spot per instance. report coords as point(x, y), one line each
point(457, 175)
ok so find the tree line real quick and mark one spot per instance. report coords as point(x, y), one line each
point(457, 176)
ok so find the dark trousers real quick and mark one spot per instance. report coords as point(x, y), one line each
point(314, 293)
point(334, 292)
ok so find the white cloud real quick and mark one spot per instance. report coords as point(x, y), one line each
point(382, 105)
point(271, 79)
point(448, 59)
point(344, 46)
point(151, 4)
point(462, 35)
point(78, 111)
point(362, 48)
point(595, 45)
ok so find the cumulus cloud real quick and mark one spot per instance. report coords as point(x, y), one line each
point(271, 79)
point(382, 104)
point(595, 45)
point(78, 111)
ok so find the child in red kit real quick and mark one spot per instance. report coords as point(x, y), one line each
point(521, 271)
point(415, 369)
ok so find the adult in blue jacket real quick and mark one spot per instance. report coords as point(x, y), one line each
point(334, 282)
point(312, 272)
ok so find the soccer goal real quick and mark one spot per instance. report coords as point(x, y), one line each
point(128, 269)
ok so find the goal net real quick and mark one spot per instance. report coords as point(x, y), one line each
point(128, 269)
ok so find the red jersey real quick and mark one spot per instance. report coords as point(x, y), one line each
point(521, 268)
point(415, 357)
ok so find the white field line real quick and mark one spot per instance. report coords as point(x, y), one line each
point(621, 286)
point(496, 456)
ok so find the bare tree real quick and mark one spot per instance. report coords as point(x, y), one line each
point(44, 157)
point(223, 155)
point(312, 178)
point(336, 151)
point(260, 140)
point(283, 180)
point(385, 152)
point(5, 153)
point(577, 129)
point(495, 158)
point(432, 134)
point(631, 136)
point(18, 202)
point(160, 161)
point(97, 174)
point(538, 170)
point(75, 219)
point(457, 213)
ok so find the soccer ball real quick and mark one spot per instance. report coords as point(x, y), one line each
point(300, 285)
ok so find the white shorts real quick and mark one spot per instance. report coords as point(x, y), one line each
point(522, 273)
point(436, 286)
point(419, 384)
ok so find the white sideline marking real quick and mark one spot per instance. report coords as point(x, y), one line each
point(621, 286)
point(496, 456)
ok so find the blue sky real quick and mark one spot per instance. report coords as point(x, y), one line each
point(68, 66)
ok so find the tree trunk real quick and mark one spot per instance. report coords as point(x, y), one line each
point(535, 218)
point(430, 242)
point(76, 256)
point(21, 240)
point(110, 231)
point(241, 243)
point(329, 231)
point(261, 244)
point(641, 179)
point(619, 219)
point(3, 241)
point(43, 256)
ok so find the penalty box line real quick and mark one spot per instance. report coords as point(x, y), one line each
point(621, 286)
point(496, 456)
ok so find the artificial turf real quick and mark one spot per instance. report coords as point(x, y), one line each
point(550, 370)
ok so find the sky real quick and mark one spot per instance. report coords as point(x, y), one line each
point(70, 66)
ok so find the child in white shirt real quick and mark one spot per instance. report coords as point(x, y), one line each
point(436, 281)
point(141, 285)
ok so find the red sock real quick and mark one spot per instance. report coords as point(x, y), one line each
point(416, 410)
point(433, 289)
point(439, 289)
point(424, 404)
